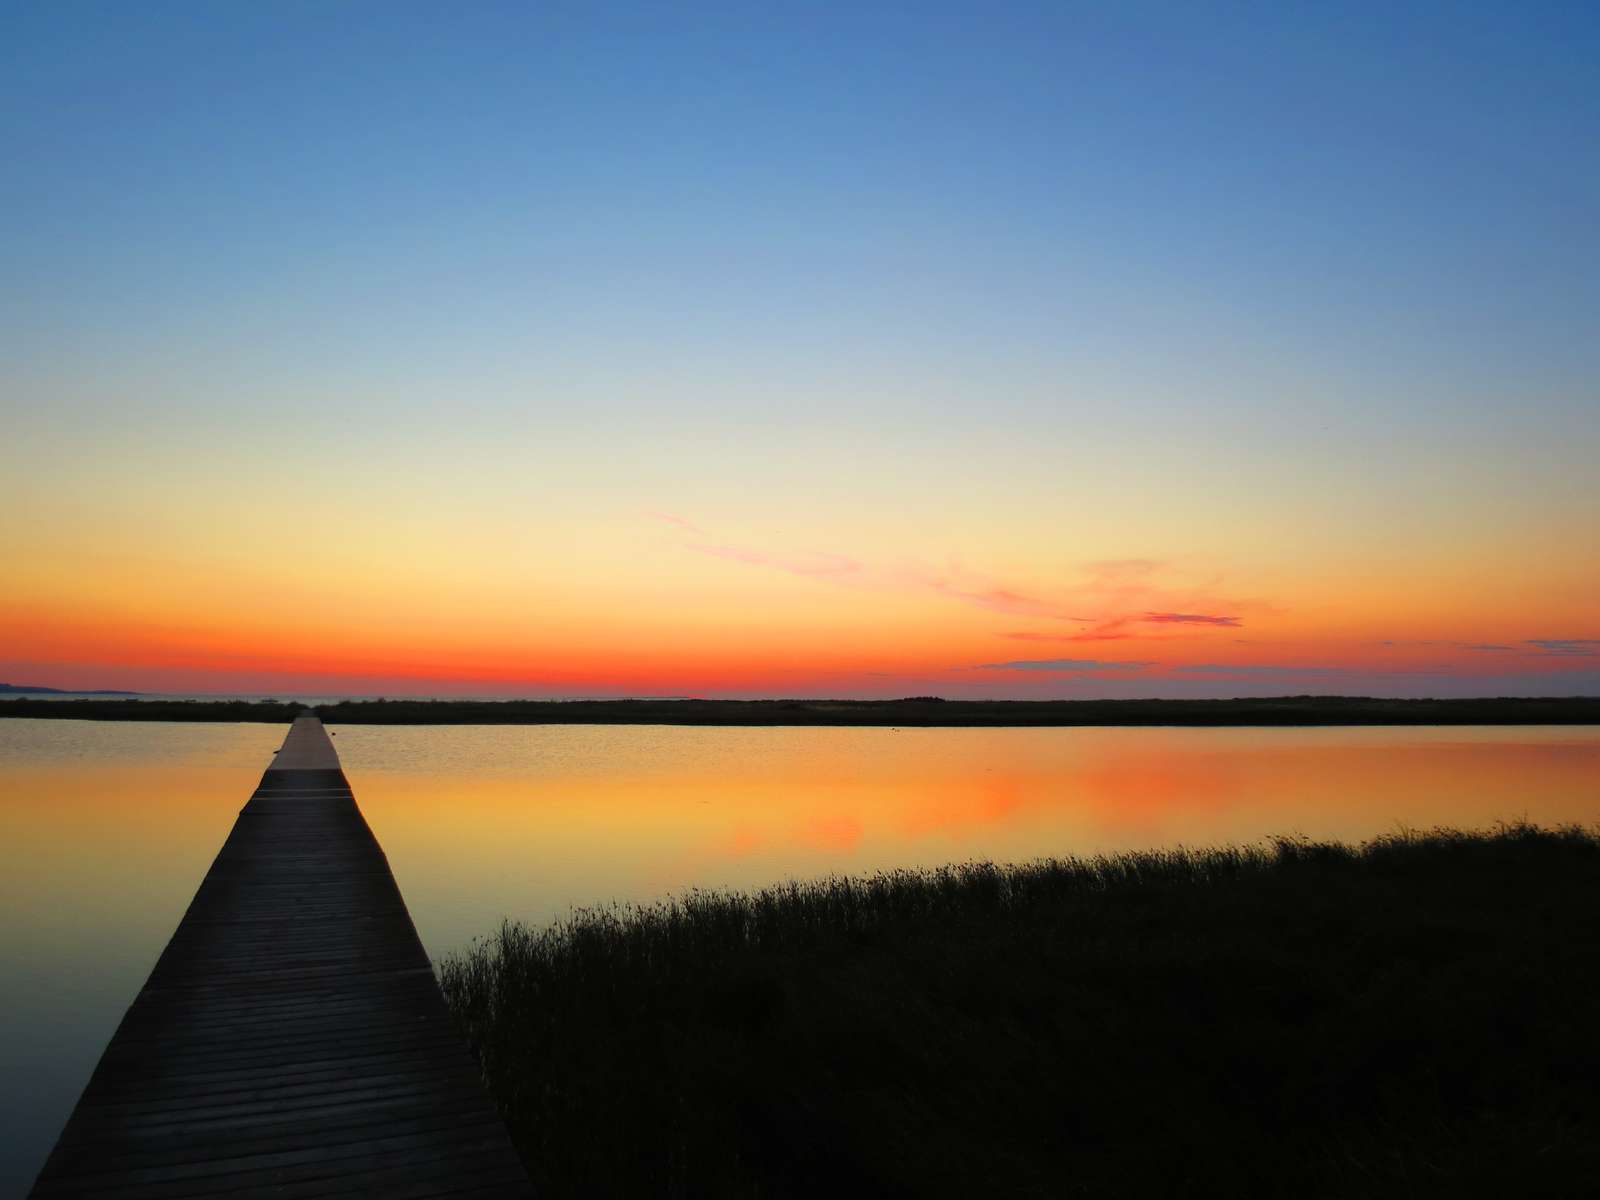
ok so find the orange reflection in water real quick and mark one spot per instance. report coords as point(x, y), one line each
point(106, 829)
point(533, 821)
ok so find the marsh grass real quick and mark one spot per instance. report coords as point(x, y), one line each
point(144, 709)
point(1412, 1016)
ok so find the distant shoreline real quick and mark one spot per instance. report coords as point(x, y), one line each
point(920, 712)
point(18, 689)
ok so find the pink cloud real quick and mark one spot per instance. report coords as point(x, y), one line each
point(1172, 618)
point(981, 593)
point(680, 522)
point(1120, 570)
point(1065, 665)
point(1123, 594)
point(1117, 628)
point(810, 566)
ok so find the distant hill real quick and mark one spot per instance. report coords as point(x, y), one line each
point(14, 689)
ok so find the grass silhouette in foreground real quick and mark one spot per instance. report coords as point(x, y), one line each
point(1413, 1016)
point(911, 711)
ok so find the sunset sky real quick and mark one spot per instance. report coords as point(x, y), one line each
point(982, 350)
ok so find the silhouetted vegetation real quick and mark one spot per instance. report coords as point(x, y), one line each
point(1410, 1017)
point(911, 711)
point(933, 711)
point(273, 711)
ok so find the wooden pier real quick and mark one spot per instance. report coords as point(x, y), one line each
point(292, 1040)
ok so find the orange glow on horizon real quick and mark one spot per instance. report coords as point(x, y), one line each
point(653, 608)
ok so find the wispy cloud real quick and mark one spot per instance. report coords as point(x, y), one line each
point(1122, 570)
point(680, 522)
point(1064, 664)
point(1116, 629)
point(1568, 647)
point(1479, 646)
point(1264, 670)
point(1172, 618)
point(981, 592)
point(1113, 600)
point(808, 565)
point(1287, 672)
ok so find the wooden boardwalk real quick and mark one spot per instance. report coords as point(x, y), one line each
point(292, 1040)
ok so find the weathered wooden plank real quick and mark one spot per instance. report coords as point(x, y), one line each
point(444, 1164)
point(291, 1039)
point(270, 1139)
point(297, 1131)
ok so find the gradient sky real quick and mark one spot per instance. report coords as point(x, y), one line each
point(858, 349)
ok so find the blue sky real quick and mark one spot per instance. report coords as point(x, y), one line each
point(1328, 264)
point(1399, 189)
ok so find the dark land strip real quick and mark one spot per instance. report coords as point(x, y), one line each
point(909, 712)
point(292, 1040)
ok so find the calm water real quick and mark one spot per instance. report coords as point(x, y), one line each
point(107, 828)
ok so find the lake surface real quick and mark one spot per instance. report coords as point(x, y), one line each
point(106, 828)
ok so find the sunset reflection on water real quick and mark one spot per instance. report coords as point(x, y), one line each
point(532, 821)
point(106, 829)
